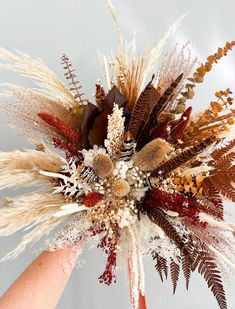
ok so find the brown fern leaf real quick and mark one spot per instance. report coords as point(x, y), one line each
point(182, 158)
point(142, 105)
point(223, 184)
point(157, 216)
point(226, 161)
point(211, 201)
point(161, 265)
point(208, 269)
point(218, 153)
point(175, 272)
point(186, 270)
point(161, 104)
point(223, 174)
point(70, 75)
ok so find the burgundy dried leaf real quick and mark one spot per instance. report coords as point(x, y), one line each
point(94, 121)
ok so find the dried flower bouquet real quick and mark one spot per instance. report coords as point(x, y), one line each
point(135, 171)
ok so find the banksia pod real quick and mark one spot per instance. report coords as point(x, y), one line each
point(120, 188)
point(149, 157)
point(102, 165)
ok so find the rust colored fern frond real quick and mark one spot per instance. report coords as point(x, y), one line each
point(222, 176)
point(161, 265)
point(182, 158)
point(218, 153)
point(74, 84)
point(157, 216)
point(186, 270)
point(211, 201)
point(175, 272)
point(205, 262)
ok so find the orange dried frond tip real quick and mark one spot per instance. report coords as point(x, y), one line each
point(200, 191)
point(208, 67)
point(228, 45)
point(194, 190)
point(230, 121)
point(187, 188)
point(199, 179)
point(188, 176)
point(177, 180)
point(217, 106)
point(220, 51)
point(179, 188)
point(210, 59)
point(201, 70)
point(218, 94)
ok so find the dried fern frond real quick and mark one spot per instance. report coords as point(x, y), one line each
point(157, 216)
point(161, 265)
point(175, 272)
point(74, 85)
point(222, 176)
point(207, 267)
point(48, 84)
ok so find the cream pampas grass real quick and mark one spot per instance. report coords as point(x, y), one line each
point(22, 168)
point(33, 210)
point(48, 84)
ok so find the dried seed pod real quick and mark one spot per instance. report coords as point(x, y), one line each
point(120, 188)
point(149, 157)
point(102, 165)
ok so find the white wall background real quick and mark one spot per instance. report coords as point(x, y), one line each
point(46, 29)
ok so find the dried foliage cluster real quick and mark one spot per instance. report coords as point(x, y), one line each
point(137, 171)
